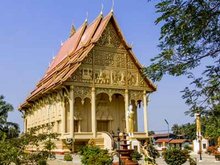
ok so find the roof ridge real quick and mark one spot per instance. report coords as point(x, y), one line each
point(82, 28)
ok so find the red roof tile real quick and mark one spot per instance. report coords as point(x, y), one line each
point(166, 140)
point(178, 141)
point(68, 47)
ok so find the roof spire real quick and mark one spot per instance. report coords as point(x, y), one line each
point(112, 9)
point(101, 12)
point(87, 15)
point(61, 42)
point(72, 31)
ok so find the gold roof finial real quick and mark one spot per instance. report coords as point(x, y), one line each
point(87, 15)
point(112, 9)
point(101, 12)
point(72, 31)
point(61, 42)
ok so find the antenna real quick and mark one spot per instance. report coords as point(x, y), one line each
point(112, 9)
point(101, 12)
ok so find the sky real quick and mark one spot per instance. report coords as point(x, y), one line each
point(31, 32)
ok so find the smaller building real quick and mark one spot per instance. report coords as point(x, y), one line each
point(179, 143)
point(162, 136)
point(162, 144)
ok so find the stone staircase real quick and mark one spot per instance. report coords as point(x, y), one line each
point(99, 142)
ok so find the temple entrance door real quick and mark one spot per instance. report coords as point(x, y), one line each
point(102, 125)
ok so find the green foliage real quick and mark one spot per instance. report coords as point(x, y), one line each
point(192, 161)
point(187, 130)
point(212, 126)
point(152, 152)
point(175, 156)
point(7, 129)
point(136, 156)
point(187, 147)
point(14, 150)
point(151, 133)
point(93, 155)
point(42, 162)
point(68, 157)
point(190, 35)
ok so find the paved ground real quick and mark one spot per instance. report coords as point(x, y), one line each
point(206, 160)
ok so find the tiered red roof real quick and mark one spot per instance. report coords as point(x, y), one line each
point(72, 52)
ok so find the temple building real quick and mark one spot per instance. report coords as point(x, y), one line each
point(90, 87)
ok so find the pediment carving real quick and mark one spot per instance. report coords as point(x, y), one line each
point(110, 37)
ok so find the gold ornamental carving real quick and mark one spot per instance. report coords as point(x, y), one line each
point(102, 77)
point(82, 92)
point(109, 37)
point(118, 77)
point(132, 78)
point(88, 59)
point(135, 95)
point(110, 92)
point(110, 59)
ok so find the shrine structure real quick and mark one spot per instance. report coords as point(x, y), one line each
point(88, 87)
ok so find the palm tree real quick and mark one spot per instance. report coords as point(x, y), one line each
point(7, 129)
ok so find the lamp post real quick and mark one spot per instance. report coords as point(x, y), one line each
point(168, 129)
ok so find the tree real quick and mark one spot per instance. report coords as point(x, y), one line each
point(190, 37)
point(13, 150)
point(13, 147)
point(9, 129)
point(187, 130)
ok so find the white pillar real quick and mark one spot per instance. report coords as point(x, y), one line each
point(126, 110)
point(25, 124)
point(71, 104)
point(79, 125)
point(145, 102)
point(63, 118)
point(93, 113)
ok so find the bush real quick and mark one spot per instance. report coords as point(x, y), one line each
point(136, 156)
point(68, 157)
point(187, 147)
point(192, 161)
point(152, 151)
point(93, 155)
point(42, 162)
point(175, 156)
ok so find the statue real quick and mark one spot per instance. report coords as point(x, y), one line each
point(130, 120)
point(198, 125)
